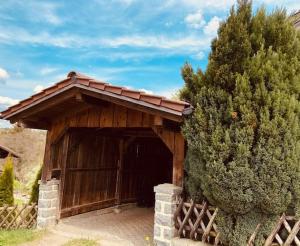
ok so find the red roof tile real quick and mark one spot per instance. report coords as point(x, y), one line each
point(77, 78)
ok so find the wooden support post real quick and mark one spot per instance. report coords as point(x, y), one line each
point(63, 167)
point(175, 142)
point(46, 164)
point(119, 173)
point(178, 160)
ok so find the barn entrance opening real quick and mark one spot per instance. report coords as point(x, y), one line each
point(111, 166)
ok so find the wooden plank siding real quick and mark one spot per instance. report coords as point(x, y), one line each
point(91, 172)
point(86, 161)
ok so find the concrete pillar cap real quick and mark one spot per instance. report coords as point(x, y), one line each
point(168, 189)
point(49, 182)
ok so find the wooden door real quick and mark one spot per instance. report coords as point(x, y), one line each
point(90, 175)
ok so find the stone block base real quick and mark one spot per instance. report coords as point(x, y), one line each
point(165, 206)
point(48, 205)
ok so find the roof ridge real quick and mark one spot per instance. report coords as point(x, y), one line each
point(74, 77)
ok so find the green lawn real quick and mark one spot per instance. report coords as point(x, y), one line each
point(81, 242)
point(16, 237)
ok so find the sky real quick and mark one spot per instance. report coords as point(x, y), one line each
point(134, 43)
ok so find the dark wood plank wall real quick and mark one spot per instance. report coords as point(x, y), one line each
point(117, 116)
point(108, 116)
point(90, 177)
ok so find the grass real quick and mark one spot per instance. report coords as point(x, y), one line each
point(18, 201)
point(20, 187)
point(16, 237)
point(81, 242)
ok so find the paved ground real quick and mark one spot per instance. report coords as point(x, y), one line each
point(130, 227)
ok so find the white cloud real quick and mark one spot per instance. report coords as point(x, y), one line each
point(183, 44)
point(5, 124)
point(206, 4)
point(146, 91)
point(40, 11)
point(159, 42)
point(7, 101)
point(48, 70)
point(195, 20)
point(199, 56)
point(168, 93)
point(46, 12)
point(38, 88)
point(3, 74)
point(212, 26)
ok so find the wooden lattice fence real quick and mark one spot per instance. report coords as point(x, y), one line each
point(198, 222)
point(18, 216)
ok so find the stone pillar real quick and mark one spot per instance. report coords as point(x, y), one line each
point(165, 206)
point(48, 203)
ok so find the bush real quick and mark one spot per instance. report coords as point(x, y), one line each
point(7, 183)
point(34, 195)
point(244, 135)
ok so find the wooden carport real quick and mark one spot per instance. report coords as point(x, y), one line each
point(106, 144)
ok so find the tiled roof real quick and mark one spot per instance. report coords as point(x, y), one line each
point(81, 79)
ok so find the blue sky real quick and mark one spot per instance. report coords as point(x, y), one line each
point(138, 44)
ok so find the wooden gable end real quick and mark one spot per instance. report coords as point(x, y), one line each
point(117, 117)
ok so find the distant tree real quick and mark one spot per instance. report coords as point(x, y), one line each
point(34, 196)
point(244, 135)
point(6, 183)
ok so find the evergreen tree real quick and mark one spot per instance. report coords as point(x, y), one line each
point(244, 135)
point(34, 195)
point(7, 184)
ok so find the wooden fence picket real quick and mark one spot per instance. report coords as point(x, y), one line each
point(17, 217)
point(198, 222)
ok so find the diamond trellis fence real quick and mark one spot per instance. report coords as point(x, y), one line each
point(18, 216)
point(198, 222)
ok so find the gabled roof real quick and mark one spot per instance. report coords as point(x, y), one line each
point(81, 81)
point(5, 151)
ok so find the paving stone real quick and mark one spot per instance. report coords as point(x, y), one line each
point(134, 224)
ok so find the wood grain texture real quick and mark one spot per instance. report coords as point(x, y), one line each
point(87, 160)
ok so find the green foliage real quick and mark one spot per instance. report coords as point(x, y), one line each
point(244, 135)
point(81, 242)
point(19, 236)
point(34, 196)
point(7, 183)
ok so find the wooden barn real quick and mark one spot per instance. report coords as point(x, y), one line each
point(108, 145)
point(4, 153)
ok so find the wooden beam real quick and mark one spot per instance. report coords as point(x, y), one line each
point(41, 123)
point(166, 135)
point(47, 156)
point(176, 144)
point(94, 101)
point(63, 167)
point(158, 120)
point(178, 160)
point(119, 173)
point(142, 106)
point(60, 135)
